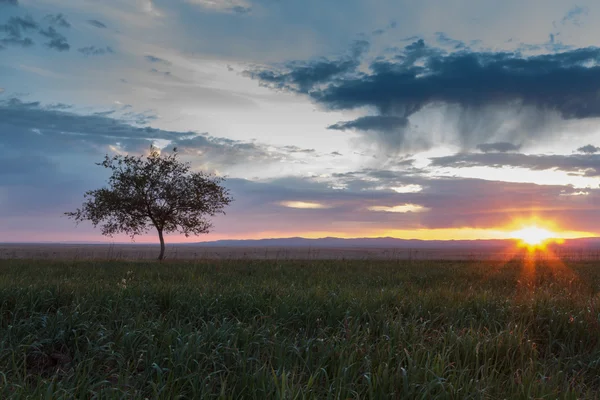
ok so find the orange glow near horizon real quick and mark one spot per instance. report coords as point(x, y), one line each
point(537, 234)
point(418, 234)
point(533, 236)
point(532, 231)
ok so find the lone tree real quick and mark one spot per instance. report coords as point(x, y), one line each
point(157, 191)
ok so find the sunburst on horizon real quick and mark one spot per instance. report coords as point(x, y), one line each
point(534, 236)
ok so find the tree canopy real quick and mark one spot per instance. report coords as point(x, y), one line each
point(156, 191)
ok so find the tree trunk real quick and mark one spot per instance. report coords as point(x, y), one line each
point(162, 245)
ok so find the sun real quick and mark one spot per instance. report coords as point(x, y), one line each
point(533, 236)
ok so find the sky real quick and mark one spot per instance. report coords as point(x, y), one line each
point(453, 119)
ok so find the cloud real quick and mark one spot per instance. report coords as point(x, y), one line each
point(95, 51)
point(482, 96)
point(149, 8)
point(31, 125)
point(580, 164)
point(574, 15)
point(303, 77)
point(403, 208)
point(222, 152)
point(589, 149)
point(164, 73)
point(376, 123)
point(2, 90)
point(14, 30)
point(47, 153)
point(57, 20)
point(96, 23)
point(444, 203)
point(57, 41)
point(446, 41)
point(227, 6)
point(302, 204)
point(10, 2)
point(153, 59)
point(297, 150)
point(49, 128)
point(500, 147)
point(241, 10)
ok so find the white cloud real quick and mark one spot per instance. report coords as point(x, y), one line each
point(407, 189)
point(148, 7)
point(302, 204)
point(404, 208)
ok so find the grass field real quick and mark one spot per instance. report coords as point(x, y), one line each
point(299, 329)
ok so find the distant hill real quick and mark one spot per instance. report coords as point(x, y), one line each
point(383, 242)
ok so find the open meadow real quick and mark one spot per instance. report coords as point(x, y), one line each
point(299, 329)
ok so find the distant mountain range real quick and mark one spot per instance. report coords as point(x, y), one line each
point(382, 242)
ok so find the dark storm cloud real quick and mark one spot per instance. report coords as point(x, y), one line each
point(159, 60)
point(589, 149)
point(499, 147)
point(303, 76)
point(57, 20)
point(96, 23)
point(95, 51)
point(477, 91)
point(559, 82)
point(580, 164)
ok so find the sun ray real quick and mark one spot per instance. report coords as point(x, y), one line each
point(533, 236)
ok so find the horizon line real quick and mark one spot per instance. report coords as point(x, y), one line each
point(279, 238)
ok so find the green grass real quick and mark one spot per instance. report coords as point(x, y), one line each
point(299, 330)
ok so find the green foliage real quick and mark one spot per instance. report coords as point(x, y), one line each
point(158, 191)
point(299, 330)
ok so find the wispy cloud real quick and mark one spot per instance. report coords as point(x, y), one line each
point(14, 30)
point(231, 6)
point(57, 41)
point(153, 59)
point(581, 164)
point(96, 23)
point(95, 51)
point(57, 20)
